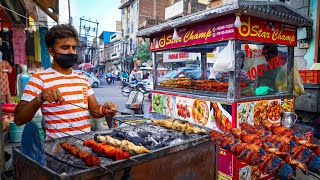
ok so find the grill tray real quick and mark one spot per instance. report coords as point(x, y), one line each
point(61, 164)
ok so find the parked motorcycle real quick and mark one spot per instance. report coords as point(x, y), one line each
point(126, 88)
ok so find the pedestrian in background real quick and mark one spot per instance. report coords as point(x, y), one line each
point(113, 77)
point(124, 76)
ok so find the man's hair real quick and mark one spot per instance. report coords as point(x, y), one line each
point(60, 31)
point(270, 49)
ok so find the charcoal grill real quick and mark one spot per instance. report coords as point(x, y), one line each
point(181, 156)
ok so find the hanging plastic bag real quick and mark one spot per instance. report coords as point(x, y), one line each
point(225, 60)
point(281, 79)
point(298, 88)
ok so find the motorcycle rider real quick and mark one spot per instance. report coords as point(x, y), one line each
point(108, 75)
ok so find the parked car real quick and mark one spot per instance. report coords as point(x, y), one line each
point(193, 73)
point(93, 81)
point(102, 76)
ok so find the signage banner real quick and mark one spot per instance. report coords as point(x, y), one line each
point(221, 29)
point(209, 31)
point(180, 56)
point(261, 30)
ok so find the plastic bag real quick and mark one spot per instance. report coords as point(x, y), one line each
point(226, 59)
point(315, 66)
point(281, 79)
point(298, 88)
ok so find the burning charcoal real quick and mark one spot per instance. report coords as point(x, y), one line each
point(144, 134)
point(118, 134)
point(158, 146)
point(135, 140)
point(169, 139)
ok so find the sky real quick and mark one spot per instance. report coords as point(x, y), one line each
point(105, 12)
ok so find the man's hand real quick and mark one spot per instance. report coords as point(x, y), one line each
point(109, 109)
point(52, 96)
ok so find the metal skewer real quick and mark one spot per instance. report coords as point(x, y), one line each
point(107, 116)
point(80, 138)
point(99, 164)
point(314, 174)
point(93, 136)
point(96, 112)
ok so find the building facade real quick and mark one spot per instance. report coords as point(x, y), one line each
point(137, 14)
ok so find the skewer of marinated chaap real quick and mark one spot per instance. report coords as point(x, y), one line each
point(124, 145)
point(184, 127)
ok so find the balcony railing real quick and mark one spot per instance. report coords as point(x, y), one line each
point(125, 3)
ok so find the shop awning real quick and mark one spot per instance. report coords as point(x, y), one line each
point(277, 11)
point(51, 8)
point(13, 8)
point(31, 8)
point(28, 8)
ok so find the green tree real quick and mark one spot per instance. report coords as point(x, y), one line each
point(144, 52)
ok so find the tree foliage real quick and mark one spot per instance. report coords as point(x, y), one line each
point(144, 52)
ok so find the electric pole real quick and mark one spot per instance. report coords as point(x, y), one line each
point(89, 30)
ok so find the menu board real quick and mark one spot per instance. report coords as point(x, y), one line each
point(206, 113)
point(256, 111)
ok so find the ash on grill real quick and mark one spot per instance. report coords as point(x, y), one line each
point(148, 135)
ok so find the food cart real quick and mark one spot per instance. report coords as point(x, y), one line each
point(164, 145)
point(255, 41)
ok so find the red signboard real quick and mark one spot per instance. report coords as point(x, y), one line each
point(220, 29)
point(209, 31)
point(260, 30)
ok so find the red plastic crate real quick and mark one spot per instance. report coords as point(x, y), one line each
point(310, 76)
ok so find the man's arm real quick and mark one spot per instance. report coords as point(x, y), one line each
point(94, 106)
point(25, 111)
point(109, 109)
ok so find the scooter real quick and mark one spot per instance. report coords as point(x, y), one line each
point(138, 87)
point(109, 80)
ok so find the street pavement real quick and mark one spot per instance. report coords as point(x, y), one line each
point(112, 92)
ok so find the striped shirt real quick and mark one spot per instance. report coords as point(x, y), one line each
point(74, 88)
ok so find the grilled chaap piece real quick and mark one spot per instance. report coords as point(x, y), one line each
point(271, 164)
point(184, 127)
point(305, 155)
point(278, 145)
point(89, 159)
point(124, 145)
point(254, 155)
point(284, 135)
point(110, 151)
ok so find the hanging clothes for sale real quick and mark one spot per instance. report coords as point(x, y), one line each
point(7, 46)
point(30, 48)
point(45, 57)
point(37, 48)
point(4, 49)
point(19, 40)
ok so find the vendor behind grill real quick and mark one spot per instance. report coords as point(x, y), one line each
point(54, 88)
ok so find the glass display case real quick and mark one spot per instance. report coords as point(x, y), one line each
point(255, 84)
point(261, 69)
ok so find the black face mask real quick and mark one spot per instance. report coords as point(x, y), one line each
point(65, 60)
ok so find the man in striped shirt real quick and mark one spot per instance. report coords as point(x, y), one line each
point(54, 88)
